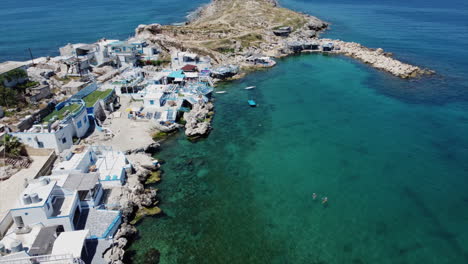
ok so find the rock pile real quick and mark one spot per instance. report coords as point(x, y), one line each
point(377, 58)
point(198, 120)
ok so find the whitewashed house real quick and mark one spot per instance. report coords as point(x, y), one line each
point(45, 202)
point(111, 165)
point(44, 244)
point(70, 119)
point(58, 137)
point(154, 96)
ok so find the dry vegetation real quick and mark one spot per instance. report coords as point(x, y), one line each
point(231, 26)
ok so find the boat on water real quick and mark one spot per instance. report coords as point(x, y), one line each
point(249, 88)
point(220, 92)
point(252, 103)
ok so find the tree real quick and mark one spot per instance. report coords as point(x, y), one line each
point(13, 146)
point(8, 97)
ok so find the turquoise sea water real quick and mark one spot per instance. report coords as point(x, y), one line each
point(391, 155)
point(394, 172)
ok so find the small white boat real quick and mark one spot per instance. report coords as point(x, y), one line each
point(221, 92)
point(250, 87)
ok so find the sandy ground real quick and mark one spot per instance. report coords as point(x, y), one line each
point(127, 134)
point(12, 188)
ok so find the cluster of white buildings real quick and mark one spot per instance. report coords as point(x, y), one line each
point(66, 204)
point(56, 216)
point(108, 52)
point(165, 94)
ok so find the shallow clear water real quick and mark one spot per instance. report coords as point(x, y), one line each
point(394, 173)
point(391, 155)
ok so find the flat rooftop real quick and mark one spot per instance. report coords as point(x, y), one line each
point(42, 188)
point(97, 221)
point(67, 166)
point(26, 239)
point(63, 205)
point(12, 188)
point(111, 163)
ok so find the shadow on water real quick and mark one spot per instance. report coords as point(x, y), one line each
point(440, 231)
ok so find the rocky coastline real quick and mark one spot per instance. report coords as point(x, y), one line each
point(135, 200)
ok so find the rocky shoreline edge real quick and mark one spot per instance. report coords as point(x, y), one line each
point(136, 200)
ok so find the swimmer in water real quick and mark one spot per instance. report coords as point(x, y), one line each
point(314, 196)
point(324, 200)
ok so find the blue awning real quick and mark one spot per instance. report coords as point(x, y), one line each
point(176, 75)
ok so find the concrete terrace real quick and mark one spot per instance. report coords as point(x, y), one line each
point(12, 188)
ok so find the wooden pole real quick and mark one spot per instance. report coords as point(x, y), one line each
point(30, 54)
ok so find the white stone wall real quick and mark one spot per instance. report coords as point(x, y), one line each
point(80, 123)
point(59, 140)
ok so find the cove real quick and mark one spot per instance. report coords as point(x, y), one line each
point(394, 172)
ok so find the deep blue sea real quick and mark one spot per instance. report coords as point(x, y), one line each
point(45, 25)
point(391, 155)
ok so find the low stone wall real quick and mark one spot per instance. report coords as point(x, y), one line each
point(5, 224)
point(38, 152)
point(48, 165)
point(27, 123)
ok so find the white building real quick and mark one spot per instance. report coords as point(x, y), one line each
point(154, 96)
point(180, 59)
point(58, 133)
point(87, 185)
point(8, 66)
point(111, 165)
point(44, 244)
point(58, 137)
point(47, 203)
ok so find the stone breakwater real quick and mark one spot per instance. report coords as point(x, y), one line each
point(376, 58)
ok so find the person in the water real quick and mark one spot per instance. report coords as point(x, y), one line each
point(314, 196)
point(324, 200)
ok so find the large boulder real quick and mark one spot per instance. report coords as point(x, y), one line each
point(197, 124)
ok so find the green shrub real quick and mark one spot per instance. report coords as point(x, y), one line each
point(8, 97)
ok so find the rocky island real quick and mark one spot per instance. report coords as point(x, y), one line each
point(231, 32)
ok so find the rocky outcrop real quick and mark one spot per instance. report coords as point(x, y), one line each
point(198, 120)
point(134, 196)
point(151, 148)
